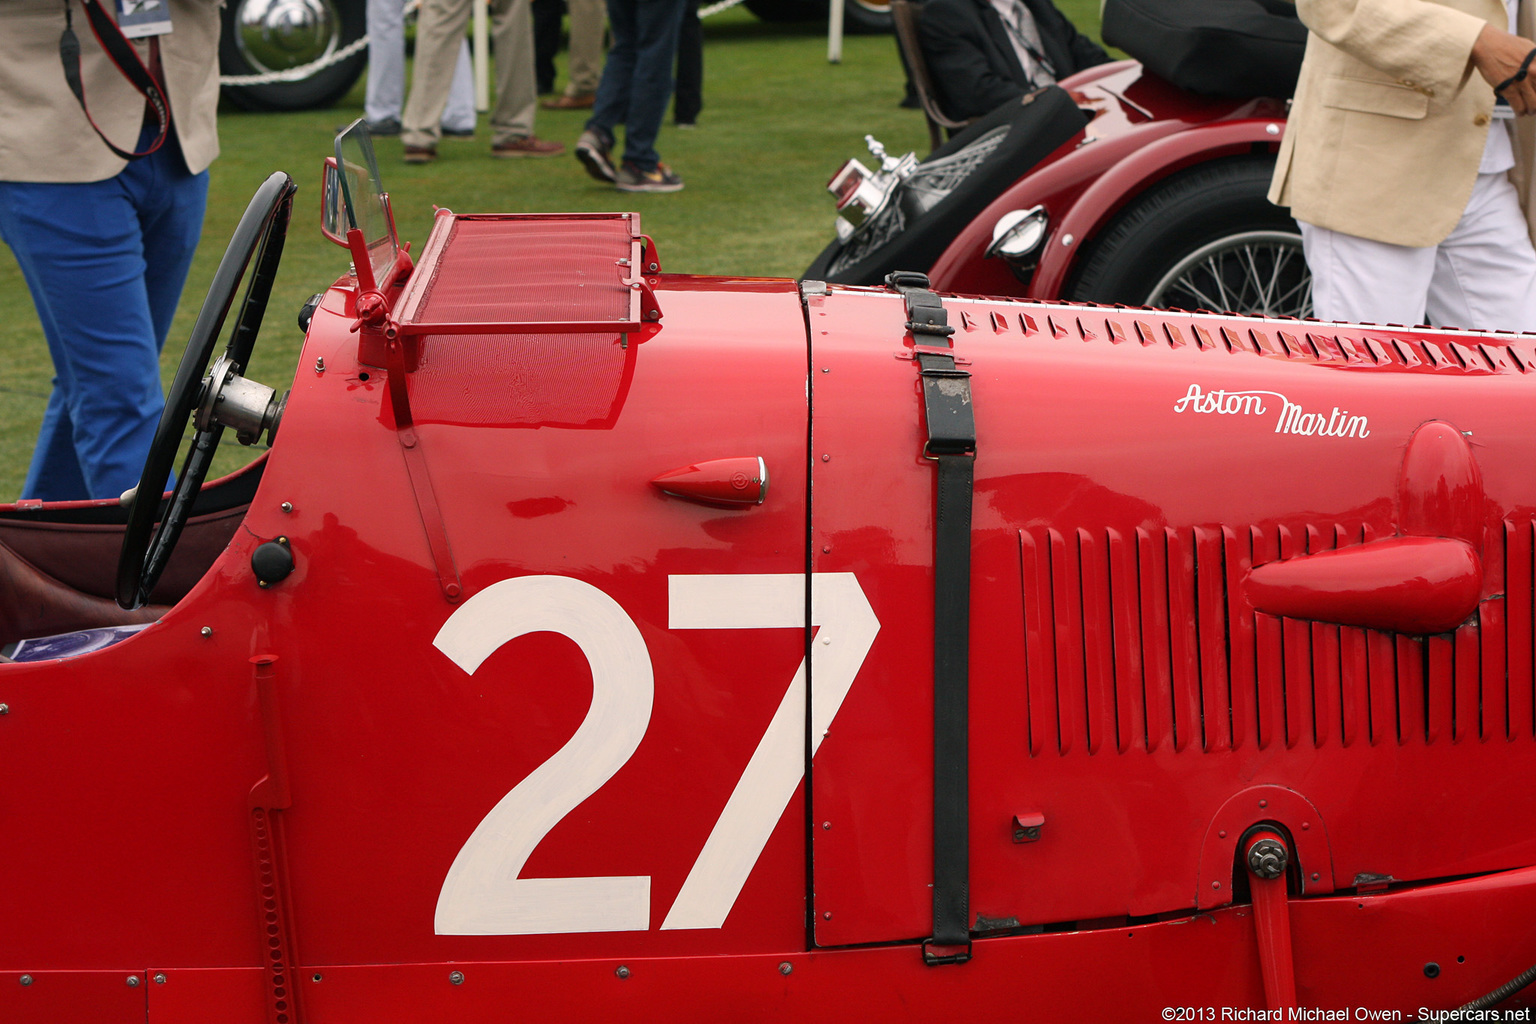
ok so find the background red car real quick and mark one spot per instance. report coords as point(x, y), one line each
point(1115, 186)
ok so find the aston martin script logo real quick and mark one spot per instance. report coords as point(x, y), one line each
point(1292, 418)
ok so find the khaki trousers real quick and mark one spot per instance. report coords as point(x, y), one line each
point(587, 20)
point(439, 34)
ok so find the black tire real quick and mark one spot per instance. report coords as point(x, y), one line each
point(337, 23)
point(1206, 238)
point(787, 10)
point(860, 17)
point(969, 171)
point(867, 17)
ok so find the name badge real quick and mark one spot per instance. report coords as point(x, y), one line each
point(140, 18)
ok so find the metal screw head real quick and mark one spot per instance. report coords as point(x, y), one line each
point(286, 506)
point(456, 977)
point(206, 631)
point(826, 915)
point(1267, 858)
point(1431, 970)
point(320, 364)
point(826, 825)
point(786, 967)
point(317, 977)
point(622, 972)
point(1271, 129)
point(25, 979)
point(133, 981)
point(5, 709)
point(653, 267)
point(159, 978)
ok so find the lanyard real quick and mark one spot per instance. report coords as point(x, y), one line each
point(127, 62)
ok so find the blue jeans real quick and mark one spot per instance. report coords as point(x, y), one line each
point(105, 262)
point(637, 79)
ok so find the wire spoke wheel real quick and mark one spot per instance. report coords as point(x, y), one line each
point(1256, 273)
point(1205, 238)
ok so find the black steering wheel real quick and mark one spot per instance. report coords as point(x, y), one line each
point(147, 547)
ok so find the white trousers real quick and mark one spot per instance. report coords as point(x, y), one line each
point(1482, 277)
point(384, 97)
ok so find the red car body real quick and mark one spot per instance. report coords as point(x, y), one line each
point(567, 711)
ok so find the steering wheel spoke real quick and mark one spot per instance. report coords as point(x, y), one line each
point(151, 536)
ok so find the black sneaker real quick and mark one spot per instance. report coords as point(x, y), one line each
point(386, 127)
point(633, 179)
point(592, 150)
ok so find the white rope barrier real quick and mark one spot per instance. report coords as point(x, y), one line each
point(299, 73)
point(714, 9)
point(304, 71)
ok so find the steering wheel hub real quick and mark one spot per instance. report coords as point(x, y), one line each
point(248, 408)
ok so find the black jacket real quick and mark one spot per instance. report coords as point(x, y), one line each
point(971, 60)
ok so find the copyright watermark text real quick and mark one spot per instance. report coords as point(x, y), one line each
point(1325, 1013)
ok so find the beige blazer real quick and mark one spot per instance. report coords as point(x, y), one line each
point(44, 135)
point(1389, 121)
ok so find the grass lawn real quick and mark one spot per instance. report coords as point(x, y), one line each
point(778, 120)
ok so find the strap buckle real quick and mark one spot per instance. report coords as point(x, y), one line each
point(947, 407)
point(925, 313)
point(951, 953)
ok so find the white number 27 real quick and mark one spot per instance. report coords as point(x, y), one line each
point(482, 893)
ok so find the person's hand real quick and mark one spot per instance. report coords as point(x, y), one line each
point(1498, 56)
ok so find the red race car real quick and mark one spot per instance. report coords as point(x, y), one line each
point(1114, 187)
point(596, 643)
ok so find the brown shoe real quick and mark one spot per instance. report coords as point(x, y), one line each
point(581, 101)
point(420, 154)
point(528, 145)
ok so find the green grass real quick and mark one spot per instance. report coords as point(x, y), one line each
point(778, 119)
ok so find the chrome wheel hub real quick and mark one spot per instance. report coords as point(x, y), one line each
point(275, 35)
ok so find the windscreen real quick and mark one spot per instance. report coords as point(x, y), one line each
point(363, 198)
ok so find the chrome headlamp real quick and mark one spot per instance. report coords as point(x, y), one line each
point(861, 193)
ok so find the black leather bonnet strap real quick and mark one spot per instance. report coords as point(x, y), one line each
point(951, 444)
